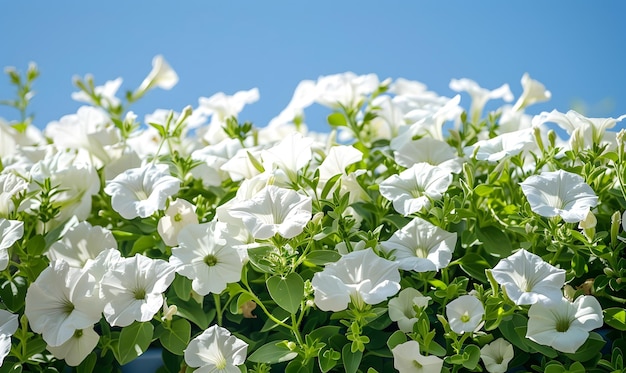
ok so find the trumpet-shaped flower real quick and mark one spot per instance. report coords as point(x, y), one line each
point(162, 75)
point(412, 190)
point(76, 349)
point(346, 90)
point(61, 300)
point(81, 244)
point(290, 155)
point(533, 92)
point(208, 257)
point(564, 325)
point(480, 95)
point(339, 157)
point(133, 289)
point(178, 215)
point(559, 193)
point(303, 96)
point(432, 151)
point(216, 350)
point(10, 186)
point(421, 246)
point(274, 210)
point(402, 309)
point(221, 107)
point(140, 192)
point(499, 147)
point(465, 314)
point(360, 276)
point(8, 326)
point(408, 359)
point(10, 232)
point(528, 279)
point(497, 355)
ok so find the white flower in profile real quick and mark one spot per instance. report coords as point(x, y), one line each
point(559, 193)
point(358, 277)
point(178, 214)
point(240, 166)
point(133, 289)
point(61, 300)
point(421, 246)
point(290, 155)
point(528, 279)
point(274, 210)
point(564, 325)
point(140, 192)
point(162, 75)
point(10, 186)
point(402, 309)
point(303, 96)
point(412, 190)
point(533, 92)
point(497, 355)
point(105, 93)
point(338, 158)
point(10, 232)
point(8, 326)
point(465, 314)
point(480, 95)
point(216, 350)
point(408, 359)
point(501, 146)
point(208, 256)
point(432, 151)
point(81, 244)
point(221, 107)
point(76, 349)
point(346, 90)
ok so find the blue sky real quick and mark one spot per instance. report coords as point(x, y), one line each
point(576, 48)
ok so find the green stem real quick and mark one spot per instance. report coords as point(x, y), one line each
point(218, 308)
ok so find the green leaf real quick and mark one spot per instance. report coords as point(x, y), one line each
point(193, 311)
point(323, 334)
point(134, 340)
point(495, 242)
point(475, 265)
point(589, 349)
point(142, 244)
point(328, 358)
point(176, 337)
point(472, 355)
point(351, 360)
point(322, 257)
point(36, 245)
point(337, 120)
point(287, 291)
point(484, 190)
point(257, 256)
point(87, 365)
point(615, 317)
point(272, 353)
point(13, 293)
point(398, 337)
point(507, 327)
point(182, 287)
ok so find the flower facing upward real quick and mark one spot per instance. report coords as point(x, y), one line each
point(465, 314)
point(559, 193)
point(179, 214)
point(216, 350)
point(82, 244)
point(140, 192)
point(408, 359)
point(360, 276)
point(564, 325)
point(402, 308)
point(528, 279)
point(497, 355)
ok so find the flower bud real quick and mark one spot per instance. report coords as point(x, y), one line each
point(588, 225)
point(615, 223)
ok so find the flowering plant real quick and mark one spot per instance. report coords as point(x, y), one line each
point(413, 235)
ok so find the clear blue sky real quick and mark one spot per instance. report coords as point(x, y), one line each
point(576, 48)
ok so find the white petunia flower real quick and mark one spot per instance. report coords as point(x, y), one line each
point(179, 214)
point(559, 193)
point(8, 325)
point(208, 256)
point(432, 151)
point(216, 350)
point(303, 96)
point(465, 314)
point(480, 95)
point(360, 276)
point(346, 90)
point(497, 355)
point(528, 279)
point(412, 189)
point(408, 359)
point(133, 289)
point(140, 192)
point(421, 246)
point(10, 232)
point(221, 107)
point(76, 349)
point(290, 155)
point(502, 146)
point(10, 186)
point(564, 325)
point(81, 244)
point(533, 92)
point(339, 157)
point(402, 308)
point(161, 75)
point(274, 210)
point(61, 300)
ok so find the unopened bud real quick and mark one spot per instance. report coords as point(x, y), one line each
point(615, 224)
point(317, 218)
point(576, 141)
point(538, 139)
point(552, 138)
point(588, 225)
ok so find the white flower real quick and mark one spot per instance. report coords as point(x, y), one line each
point(290, 155)
point(360, 276)
point(161, 75)
point(432, 151)
point(61, 300)
point(10, 232)
point(140, 192)
point(421, 246)
point(8, 326)
point(105, 92)
point(208, 256)
point(221, 107)
point(303, 96)
point(480, 95)
point(345, 90)
point(76, 349)
point(533, 92)
point(564, 325)
point(559, 193)
point(134, 288)
point(339, 157)
point(499, 147)
point(412, 190)
point(465, 314)
point(497, 355)
point(402, 308)
point(81, 244)
point(528, 279)
point(216, 350)
point(10, 186)
point(408, 359)
point(274, 210)
point(179, 214)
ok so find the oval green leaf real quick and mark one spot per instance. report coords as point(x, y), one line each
point(287, 291)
